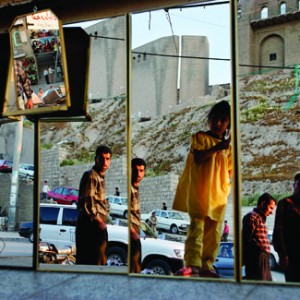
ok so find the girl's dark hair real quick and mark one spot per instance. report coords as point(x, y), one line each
point(222, 107)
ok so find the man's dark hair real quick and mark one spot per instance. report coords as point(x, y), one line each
point(297, 177)
point(103, 149)
point(137, 162)
point(265, 199)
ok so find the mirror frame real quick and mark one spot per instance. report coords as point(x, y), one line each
point(11, 88)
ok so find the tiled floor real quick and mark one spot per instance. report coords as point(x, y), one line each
point(22, 284)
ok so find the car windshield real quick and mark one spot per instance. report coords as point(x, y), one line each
point(226, 250)
point(74, 192)
point(175, 215)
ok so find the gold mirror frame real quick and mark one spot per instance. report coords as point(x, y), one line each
point(38, 62)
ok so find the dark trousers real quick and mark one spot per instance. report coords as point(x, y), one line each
point(135, 253)
point(258, 266)
point(292, 274)
point(91, 242)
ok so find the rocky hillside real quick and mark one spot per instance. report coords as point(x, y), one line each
point(269, 130)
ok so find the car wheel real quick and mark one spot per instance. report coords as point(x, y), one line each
point(125, 214)
point(159, 267)
point(272, 262)
point(174, 229)
point(117, 254)
point(31, 237)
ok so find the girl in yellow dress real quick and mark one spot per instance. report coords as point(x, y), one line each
point(202, 191)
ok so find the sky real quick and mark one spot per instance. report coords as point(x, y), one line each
point(212, 21)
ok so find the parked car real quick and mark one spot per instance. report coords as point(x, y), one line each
point(172, 221)
point(118, 206)
point(274, 257)
point(26, 171)
point(26, 230)
point(64, 195)
point(57, 226)
point(224, 263)
point(6, 166)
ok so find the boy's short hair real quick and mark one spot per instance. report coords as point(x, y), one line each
point(103, 149)
point(137, 162)
point(265, 199)
point(297, 177)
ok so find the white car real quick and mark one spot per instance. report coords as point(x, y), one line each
point(118, 206)
point(58, 224)
point(172, 221)
point(26, 171)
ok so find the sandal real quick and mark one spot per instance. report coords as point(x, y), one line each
point(188, 271)
point(209, 274)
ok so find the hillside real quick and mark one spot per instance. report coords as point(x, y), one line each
point(269, 131)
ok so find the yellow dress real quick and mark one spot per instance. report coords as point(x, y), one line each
point(203, 188)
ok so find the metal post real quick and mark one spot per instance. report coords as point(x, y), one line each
point(15, 176)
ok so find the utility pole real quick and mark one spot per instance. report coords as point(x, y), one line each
point(15, 176)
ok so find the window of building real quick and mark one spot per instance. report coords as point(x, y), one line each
point(273, 56)
point(283, 8)
point(239, 13)
point(264, 13)
point(299, 4)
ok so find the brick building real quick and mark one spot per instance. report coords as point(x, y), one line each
point(269, 34)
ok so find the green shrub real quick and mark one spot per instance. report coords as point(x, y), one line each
point(67, 162)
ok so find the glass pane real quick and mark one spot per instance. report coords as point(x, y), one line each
point(269, 123)
point(16, 195)
point(68, 151)
point(180, 69)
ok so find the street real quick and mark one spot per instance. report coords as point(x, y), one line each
point(15, 253)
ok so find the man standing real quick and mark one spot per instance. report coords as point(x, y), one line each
point(256, 245)
point(138, 167)
point(286, 233)
point(91, 230)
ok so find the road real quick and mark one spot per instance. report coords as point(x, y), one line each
point(15, 253)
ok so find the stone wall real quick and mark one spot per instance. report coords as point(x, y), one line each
point(153, 190)
point(24, 204)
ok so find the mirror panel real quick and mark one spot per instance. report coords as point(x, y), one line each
point(39, 81)
point(180, 68)
point(68, 149)
point(269, 118)
point(16, 194)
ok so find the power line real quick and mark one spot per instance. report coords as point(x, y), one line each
point(178, 56)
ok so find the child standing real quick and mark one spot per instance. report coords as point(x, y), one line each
point(202, 191)
point(45, 190)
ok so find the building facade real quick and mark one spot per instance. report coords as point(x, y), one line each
point(269, 34)
point(160, 78)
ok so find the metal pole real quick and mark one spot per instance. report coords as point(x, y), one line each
point(11, 226)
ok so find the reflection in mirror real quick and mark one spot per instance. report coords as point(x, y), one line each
point(39, 81)
point(68, 151)
point(16, 194)
point(269, 121)
point(180, 70)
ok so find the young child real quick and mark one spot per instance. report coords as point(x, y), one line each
point(202, 191)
